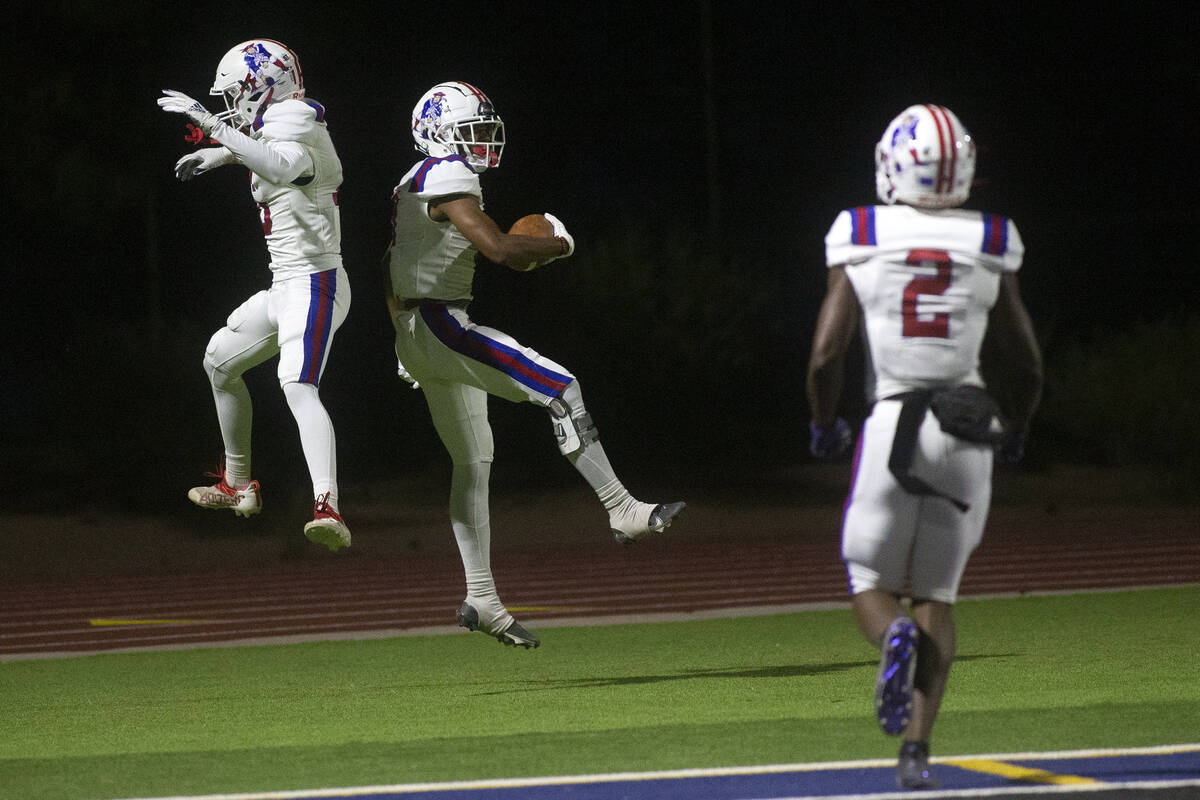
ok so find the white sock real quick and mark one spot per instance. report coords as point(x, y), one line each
point(235, 413)
point(316, 438)
point(237, 470)
point(471, 522)
point(592, 463)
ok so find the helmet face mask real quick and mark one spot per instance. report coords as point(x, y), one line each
point(251, 76)
point(455, 118)
point(925, 158)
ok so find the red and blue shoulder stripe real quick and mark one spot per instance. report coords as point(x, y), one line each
point(417, 184)
point(862, 225)
point(317, 107)
point(995, 235)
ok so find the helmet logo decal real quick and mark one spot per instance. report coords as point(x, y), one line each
point(906, 131)
point(282, 68)
point(255, 55)
point(431, 115)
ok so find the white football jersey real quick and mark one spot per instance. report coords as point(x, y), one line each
point(431, 259)
point(926, 280)
point(300, 219)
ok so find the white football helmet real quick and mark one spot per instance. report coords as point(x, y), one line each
point(455, 118)
point(251, 76)
point(925, 158)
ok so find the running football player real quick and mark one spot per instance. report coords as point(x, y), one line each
point(929, 280)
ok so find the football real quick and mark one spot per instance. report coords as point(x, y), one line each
point(532, 225)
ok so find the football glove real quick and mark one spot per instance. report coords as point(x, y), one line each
point(560, 232)
point(179, 103)
point(1012, 448)
point(829, 441)
point(201, 161)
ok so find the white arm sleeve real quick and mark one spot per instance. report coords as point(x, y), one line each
point(277, 162)
point(220, 157)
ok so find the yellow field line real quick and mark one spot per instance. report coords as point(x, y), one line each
point(1017, 773)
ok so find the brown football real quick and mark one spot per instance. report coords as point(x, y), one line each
point(533, 225)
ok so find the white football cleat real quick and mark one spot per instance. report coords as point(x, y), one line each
point(327, 526)
point(642, 519)
point(502, 627)
point(243, 502)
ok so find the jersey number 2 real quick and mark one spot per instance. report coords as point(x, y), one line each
point(937, 325)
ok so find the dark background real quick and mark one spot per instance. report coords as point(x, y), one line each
point(697, 151)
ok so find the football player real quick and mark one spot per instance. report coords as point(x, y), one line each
point(439, 225)
point(270, 127)
point(930, 281)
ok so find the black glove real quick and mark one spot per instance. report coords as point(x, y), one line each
point(1012, 448)
point(829, 441)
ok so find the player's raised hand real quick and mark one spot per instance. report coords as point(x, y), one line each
point(200, 162)
point(179, 103)
point(560, 231)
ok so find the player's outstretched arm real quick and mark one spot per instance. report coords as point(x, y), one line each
point(201, 161)
point(1010, 334)
point(836, 325)
point(837, 321)
point(279, 161)
point(512, 250)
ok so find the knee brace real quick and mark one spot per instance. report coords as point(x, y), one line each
point(573, 426)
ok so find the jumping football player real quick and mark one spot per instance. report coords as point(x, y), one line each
point(271, 128)
point(930, 280)
point(438, 227)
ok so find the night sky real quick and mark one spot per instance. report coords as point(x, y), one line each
point(118, 274)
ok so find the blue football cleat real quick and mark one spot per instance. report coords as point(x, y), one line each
point(894, 683)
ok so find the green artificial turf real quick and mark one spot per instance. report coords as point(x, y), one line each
point(1057, 672)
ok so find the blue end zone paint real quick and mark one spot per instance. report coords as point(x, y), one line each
point(852, 779)
point(723, 787)
point(1125, 768)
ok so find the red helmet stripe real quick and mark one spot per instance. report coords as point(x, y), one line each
point(946, 137)
point(952, 170)
point(480, 96)
point(937, 122)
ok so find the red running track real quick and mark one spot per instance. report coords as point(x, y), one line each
point(764, 565)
